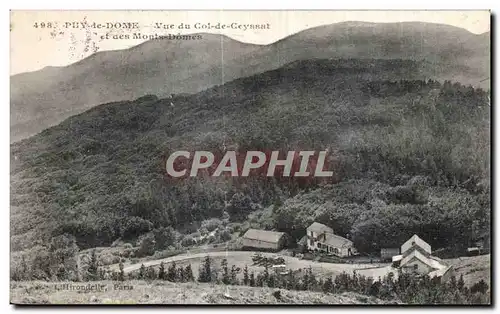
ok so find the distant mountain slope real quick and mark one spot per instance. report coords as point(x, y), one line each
point(46, 97)
point(99, 175)
point(449, 48)
point(43, 98)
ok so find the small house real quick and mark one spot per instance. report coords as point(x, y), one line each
point(386, 254)
point(265, 240)
point(471, 251)
point(322, 238)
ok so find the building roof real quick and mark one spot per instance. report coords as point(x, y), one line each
point(415, 240)
point(416, 248)
point(303, 240)
point(434, 258)
point(337, 241)
point(263, 235)
point(396, 258)
point(435, 264)
point(390, 249)
point(439, 272)
point(319, 228)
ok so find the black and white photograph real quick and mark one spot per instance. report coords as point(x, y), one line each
point(245, 157)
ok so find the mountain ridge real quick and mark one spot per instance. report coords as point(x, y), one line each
point(485, 34)
point(44, 98)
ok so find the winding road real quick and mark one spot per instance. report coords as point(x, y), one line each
point(246, 256)
point(187, 256)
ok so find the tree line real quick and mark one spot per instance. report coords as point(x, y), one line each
point(406, 287)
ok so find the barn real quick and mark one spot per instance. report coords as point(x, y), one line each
point(264, 240)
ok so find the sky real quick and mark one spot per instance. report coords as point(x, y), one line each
point(35, 44)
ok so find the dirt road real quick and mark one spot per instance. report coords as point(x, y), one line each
point(188, 256)
point(244, 258)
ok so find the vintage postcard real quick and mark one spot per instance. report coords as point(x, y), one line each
point(250, 157)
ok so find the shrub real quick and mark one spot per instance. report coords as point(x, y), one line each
point(480, 286)
point(187, 241)
point(211, 224)
point(147, 246)
point(133, 227)
point(225, 235)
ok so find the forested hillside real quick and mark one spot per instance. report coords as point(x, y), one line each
point(410, 155)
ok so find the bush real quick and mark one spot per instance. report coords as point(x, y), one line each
point(133, 227)
point(211, 224)
point(108, 259)
point(167, 253)
point(203, 231)
point(481, 287)
point(225, 235)
point(187, 241)
point(147, 246)
point(164, 237)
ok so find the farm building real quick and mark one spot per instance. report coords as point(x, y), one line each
point(322, 238)
point(262, 239)
point(416, 258)
point(388, 253)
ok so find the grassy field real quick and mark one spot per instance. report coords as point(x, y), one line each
point(161, 292)
point(473, 268)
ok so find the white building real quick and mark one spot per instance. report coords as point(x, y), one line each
point(416, 258)
point(322, 238)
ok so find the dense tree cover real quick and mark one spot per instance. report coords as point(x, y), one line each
point(56, 261)
point(376, 215)
point(99, 176)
